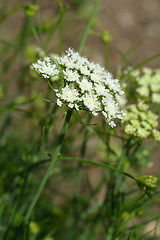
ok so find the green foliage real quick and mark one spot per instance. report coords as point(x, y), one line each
point(80, 183)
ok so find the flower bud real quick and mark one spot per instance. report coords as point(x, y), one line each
point(148, 184)
point(106, 36)
point(31, 9)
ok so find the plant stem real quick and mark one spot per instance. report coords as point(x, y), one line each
point(106, 47)
point(100, 165)
point(83, 150)
point(61, 13)
point(33, 29)
point(117, 189)
point(85, 35)
point(50, 166)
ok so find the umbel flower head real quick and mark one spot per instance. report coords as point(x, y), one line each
point(147, 184)
point(84, 85)
point(140, 122)
point(148, 83)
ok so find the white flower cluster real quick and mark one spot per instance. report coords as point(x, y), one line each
point(85, 85)
point(46, 68)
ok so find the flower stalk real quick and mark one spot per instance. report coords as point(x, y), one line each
point(50, 166)
point(100, 165)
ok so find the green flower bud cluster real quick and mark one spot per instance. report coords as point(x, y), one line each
point(140, 122)
point(143, 157)
point(148, 184)
point(31, 9)
point(148, 83)
point(34, 228)
point(33, 52)
point(106, 37)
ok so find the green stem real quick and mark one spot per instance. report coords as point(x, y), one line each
point(52, 31)
point(50, 167)
point(61, 36)
point(106, 56)
point(100, 165)
point(144, 63)
point(79, 176)
point(83, 150)
point(50, 85)
point(61, 11)
point(33, 29)
point(85, 35)
point(118, 190)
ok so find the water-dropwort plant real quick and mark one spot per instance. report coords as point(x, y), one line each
point(76, 140)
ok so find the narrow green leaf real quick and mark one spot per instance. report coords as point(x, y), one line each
point(9, 12)
point(92, 16)
point(142, 237)
point(130, 52)
point(128, 238)
point(52, 31)
point(145, 62)
point(100, 165)
point(33, 29)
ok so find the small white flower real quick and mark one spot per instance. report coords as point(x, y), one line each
point(84, 70)
point(91, 102)
point(59, 102)
point(105, 114)
point(70, 105)
point(112, 108)
point(46, 68)
point(95, 77)
point(76, 107)
point(85, 85)
point(112, 124)
point(100, 89)
point(70, 75)
point(114, 85)
point(98, 69)
point(69, 95)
